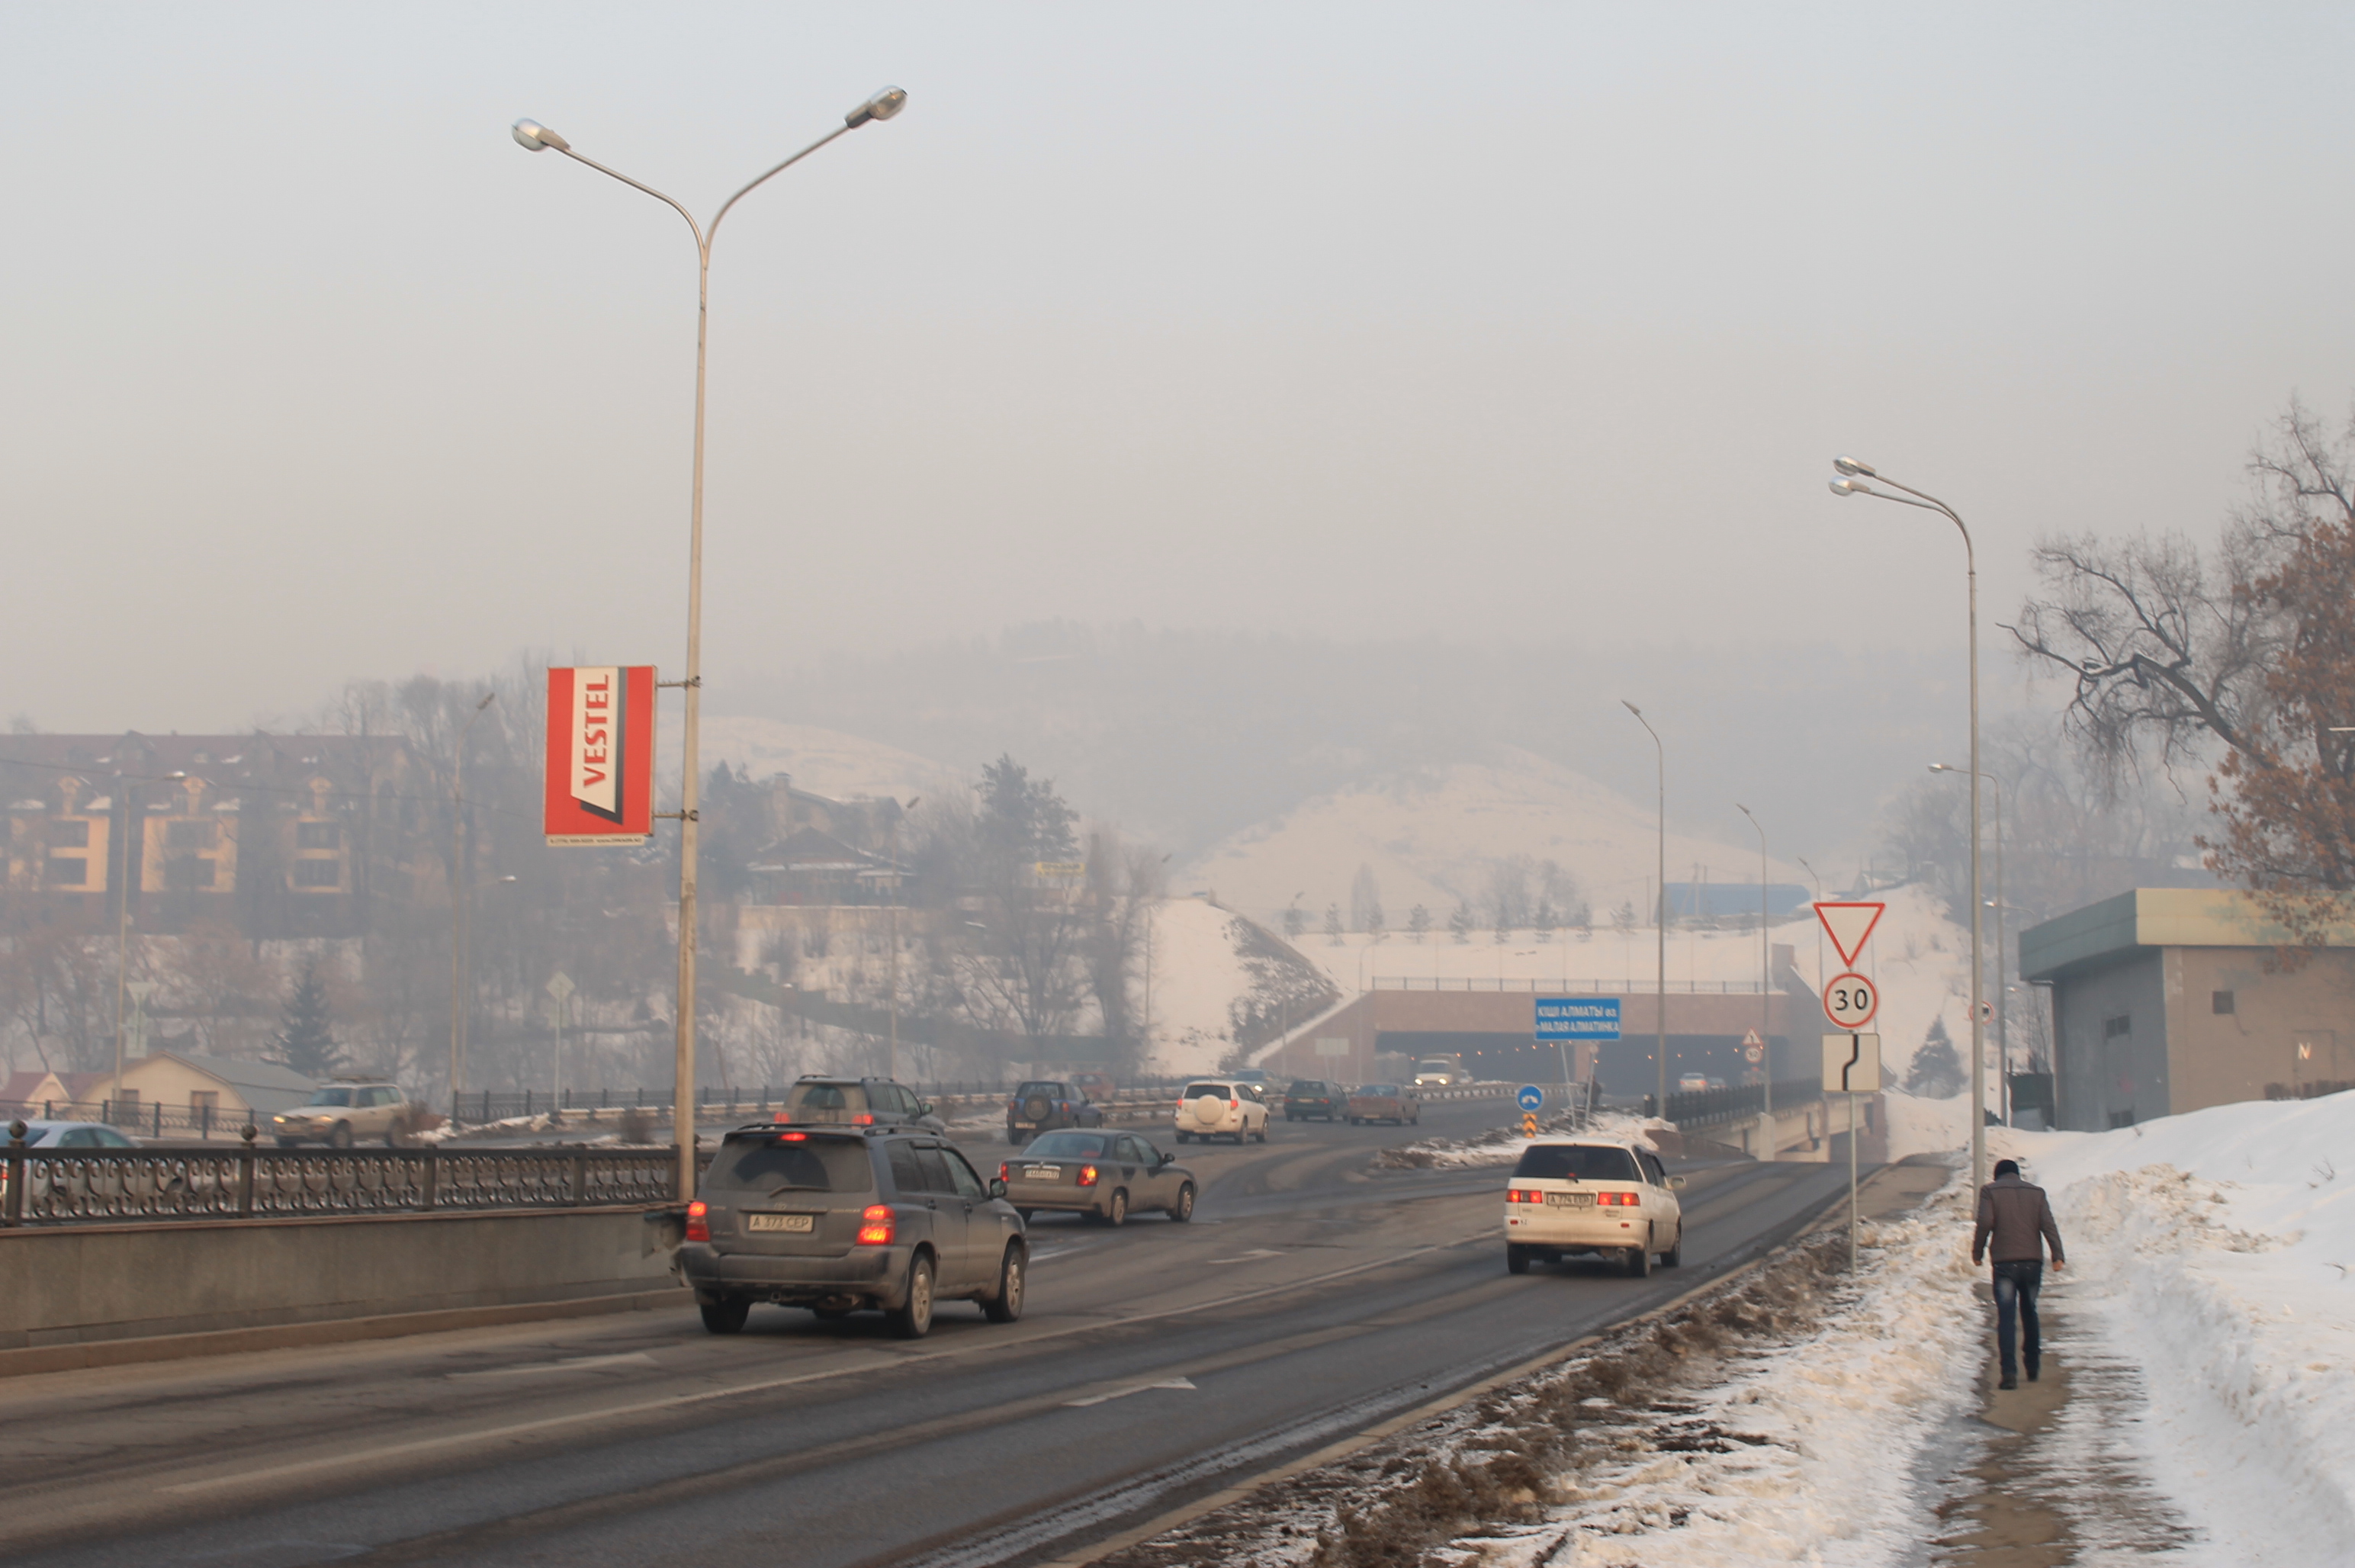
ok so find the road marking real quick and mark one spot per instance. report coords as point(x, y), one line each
point(1125, 1393)
point(703, 1396)
point(1246, 1257)
point(570, 1364)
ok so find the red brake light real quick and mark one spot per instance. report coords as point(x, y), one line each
point(1523, 1195)
point(875, 1225)
point(1087, 1176)
point(863, 1119)
point(782, 1116)
point(793, 1137)
point(1234, 1104)
point(1617, 1199)
point(698, 1220)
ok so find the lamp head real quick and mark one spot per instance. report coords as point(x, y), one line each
point(1853, 466)
point(1631, 708)
point(1850, 487)
point(535, 137)
point(1940, 768)
point(488, 698)
point(882, 106)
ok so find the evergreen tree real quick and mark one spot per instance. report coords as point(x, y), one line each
point(1460, 923)
point(1333, 927)
point(1418, 921)
point(1295, 921)
point(307, 1043)
point(1541, 920)
point(1936, 1071)
point(1624, 917)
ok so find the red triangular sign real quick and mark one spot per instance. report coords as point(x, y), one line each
point(1749, 1039)
point(1850, 926)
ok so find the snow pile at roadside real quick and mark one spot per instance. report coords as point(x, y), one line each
point(2218, 1249)
point(1504, 1146)
point(1218, 979)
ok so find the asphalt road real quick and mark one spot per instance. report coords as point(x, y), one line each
point(1309, 1299)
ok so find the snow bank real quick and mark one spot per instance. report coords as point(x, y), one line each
point(2216, 1248)
point(1504, 1148)
point(1212, 971)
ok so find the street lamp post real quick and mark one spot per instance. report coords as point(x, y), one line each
point(535, 137)
point(2002, 958)
point(1851, 483)
point(122, 787)
point(458, 868)
point(1765, 1031)
point(1660, 913)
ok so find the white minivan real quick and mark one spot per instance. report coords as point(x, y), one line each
point(1212, 1108)
point(1608, 1196)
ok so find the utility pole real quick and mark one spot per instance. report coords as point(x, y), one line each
point(891, 850)
point(459, 867)
point(1765, 1030)
point(1661, 915)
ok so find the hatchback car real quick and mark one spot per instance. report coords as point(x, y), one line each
point(1214, 1108)
point(1394, 1102)
point(1314, 1097)
point(1046, 1104)
point(1595, 1196)
point(1097, 1086)
point(346, 1111)
point(857, 1103)
point(838, 1219)
point(1106, 1176)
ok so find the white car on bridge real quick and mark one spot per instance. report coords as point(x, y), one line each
point(1212, 1108)
point(1606, 1197)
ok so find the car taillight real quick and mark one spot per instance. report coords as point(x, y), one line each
point(793, 1137)
point(875, 1225)
point(698, 1220)
point(1621, 1199)
point(1523, 1195)
point(1004, 1174)
point(1087, 1176)
point(1234, 1104)
point(863, 1119)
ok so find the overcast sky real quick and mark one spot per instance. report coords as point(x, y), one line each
point(1467, 322)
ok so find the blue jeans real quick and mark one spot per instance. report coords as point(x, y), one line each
point(2016, 1284)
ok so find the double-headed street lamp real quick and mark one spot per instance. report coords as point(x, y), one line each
point(535, 137)
point(1660, 914)
point(1851, 483)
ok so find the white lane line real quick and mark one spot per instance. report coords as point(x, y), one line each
point(1247, 1257)
point(1125, 1393)
point(570, 1364)
point(875, 1362)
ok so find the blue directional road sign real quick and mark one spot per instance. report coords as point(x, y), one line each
point(1578, 1018)
point(1530, 1097)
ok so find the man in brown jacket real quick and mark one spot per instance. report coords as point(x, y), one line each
point(2015, 1224)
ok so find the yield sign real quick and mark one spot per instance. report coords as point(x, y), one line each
point(1850, 926)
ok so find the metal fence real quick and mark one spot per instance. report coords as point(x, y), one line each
point(1564, 988)
point(48, 1186)
point(1711, 1107)
point(722, 1102)
point(148, 1119)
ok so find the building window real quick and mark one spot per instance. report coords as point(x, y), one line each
point(318, 835)
point(2117, 1028)
point(69, 871)
point(194, 832)
point(318, 873)
point(71, 834)
point(203, 1100)
point(2121, 1119)
point(2219, 1001)
point(189, 871)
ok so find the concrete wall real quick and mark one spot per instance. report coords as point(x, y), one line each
point(2103, 1076)
point(2284, 1028)
point(73, 1285)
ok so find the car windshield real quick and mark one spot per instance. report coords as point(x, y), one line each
point(1577, 1162)
point(1067, 1145)
point(1378, 1091)
point(786, 1164)
point(331, 1097)
point(1306, 1088)
point(1196, 1090)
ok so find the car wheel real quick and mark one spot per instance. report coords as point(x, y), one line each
point(341, 1137)
point(1185, 1137)
point(1006, 1304)
point(727, 1315)
point(1263, 1132)
point(914, 1318)
point(1116, 1207)
point(1674, 1257)
point(1516, 1258)
point(1183, 1210)
point(1639, 1262)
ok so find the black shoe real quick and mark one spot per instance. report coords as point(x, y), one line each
point(2032, 1370)
point(2008, 1382)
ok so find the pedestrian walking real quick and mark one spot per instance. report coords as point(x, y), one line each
point(2015, 1226)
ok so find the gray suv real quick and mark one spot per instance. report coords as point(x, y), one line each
point(838, 1218)
point(857, 1102)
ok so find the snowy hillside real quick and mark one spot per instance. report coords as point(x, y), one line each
point(1430, 839)
point(824, 762)
point(1217, 976)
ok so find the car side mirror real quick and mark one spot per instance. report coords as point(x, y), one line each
point(923, 1107)
point(1676, 1181)
point(997, 1187)
point(1168, 1158)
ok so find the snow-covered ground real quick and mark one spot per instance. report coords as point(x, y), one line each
point(1503, 1147)
point(2216, 1250)
point(824, 762)
point(1211, 969)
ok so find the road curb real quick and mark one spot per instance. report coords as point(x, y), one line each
point(27, 1361)
point(1812, 1225)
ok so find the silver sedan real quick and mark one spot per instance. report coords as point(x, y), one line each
point(1104, 1174)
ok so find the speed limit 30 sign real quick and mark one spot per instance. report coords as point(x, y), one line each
point(1850, 1001)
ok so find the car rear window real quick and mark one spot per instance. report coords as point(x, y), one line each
point(820, 1097)
point(1577, 1162)
point(777, 1165)
point(1196, 1090)
point(1066, 1145)
point(1051, 1091)
point(1378, 1091)
point(1306, 1087)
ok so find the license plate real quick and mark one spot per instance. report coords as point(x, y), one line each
point(1570, 1200)
point(1043, 1173)
point(1020, 1126)
point(800, 1224)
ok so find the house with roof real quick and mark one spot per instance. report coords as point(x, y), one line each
point(45, 1092)
point(235, 1092)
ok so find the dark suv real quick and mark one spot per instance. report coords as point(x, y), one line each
point(839, 1218)
point(857, 1102)
point(1047, 1106)
point(1314, 1097)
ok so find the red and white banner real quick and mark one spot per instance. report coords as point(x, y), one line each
point(600, 755)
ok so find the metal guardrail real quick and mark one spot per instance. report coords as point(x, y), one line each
point(152, 1119)
point(1714, 1107)
point(722, 1102)
point(49, 1186)
point(1572, 987)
